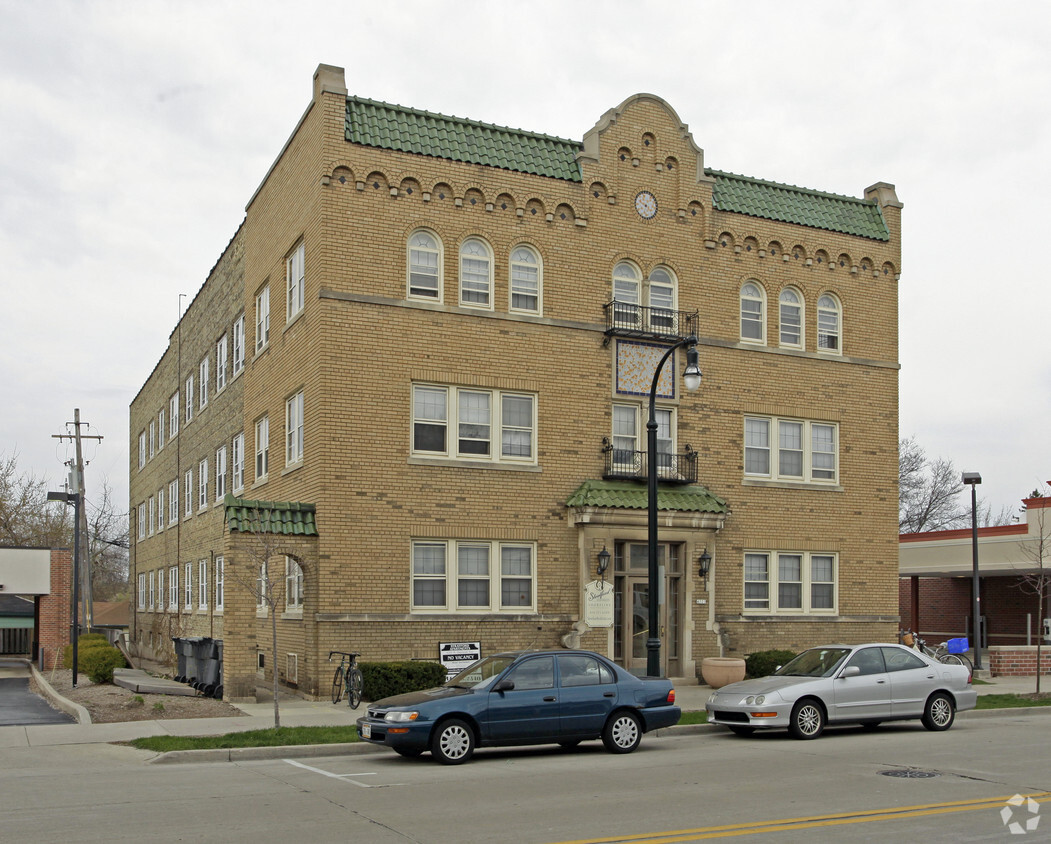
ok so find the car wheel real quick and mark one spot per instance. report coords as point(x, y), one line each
point(870, 725)
point(408, 752)
point(622, 733)
point(939, 712)
point(569, 744)
point(738, 730)
point(453, 742)
point(808, 720)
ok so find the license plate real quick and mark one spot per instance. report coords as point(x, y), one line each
point(366, 730)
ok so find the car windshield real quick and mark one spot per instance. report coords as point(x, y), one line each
point(480, 674)
point(817, 662)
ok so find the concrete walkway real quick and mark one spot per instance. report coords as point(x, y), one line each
point(296, 712)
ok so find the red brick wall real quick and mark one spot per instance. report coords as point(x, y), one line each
point(1018, 661)
point(945, 608)
point(55, 608)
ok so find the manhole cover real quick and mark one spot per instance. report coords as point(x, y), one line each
point(910, 774)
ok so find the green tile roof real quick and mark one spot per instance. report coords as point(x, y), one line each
point(693, 498)
point(387, 126)
point(288, 518)
point(377, 124)
point(790, 204)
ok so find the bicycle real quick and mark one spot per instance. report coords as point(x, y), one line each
point(348, 678)
point(940, 654)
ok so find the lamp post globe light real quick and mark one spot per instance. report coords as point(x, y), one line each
point(691, 377)
point(972, 479)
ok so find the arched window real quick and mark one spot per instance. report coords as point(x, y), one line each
point(753, 313)
point(791, 318)
point(662, 299)
point(627, 289)
point(829, 324)
point(526, 280)
point(476, 274)
point(425, 265)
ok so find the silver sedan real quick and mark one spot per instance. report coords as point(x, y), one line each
point(860, 684)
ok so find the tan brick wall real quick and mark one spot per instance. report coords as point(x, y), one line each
point(360, 344)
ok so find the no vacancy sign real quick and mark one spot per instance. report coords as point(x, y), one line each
point(456, 656)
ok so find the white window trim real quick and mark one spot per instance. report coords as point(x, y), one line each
point(142, 590)
point(439, 293)
point(773, 449)
point(202, 484)
point(642, 419)
point(142, 449)
point(818, 310)
point(153, 439)
point(173, 588)
point(262, 319)
point(539, 265)
point(160, 429)
point(190, 491)
point(202, 585)
point(801, 305)
point(220, 474)
point(496, 426)
point(487, 305)
point(188, 586)
point(153, 516)
point(451, 578)
point(237, 463)
point(173, 502)
point(221, 346)
point(762, 300)
point(160, 510)
point(239, 345)
point(153, 580)
point(295, 281)
point(262, 449)
point(294, 438)
point(173, 414)
point(773, 571)
point(142, 520)
point(204, 379)
point(219, 595)
point(189, 399)
point(293, 588)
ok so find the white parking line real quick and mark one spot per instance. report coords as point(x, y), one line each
point(345, 777)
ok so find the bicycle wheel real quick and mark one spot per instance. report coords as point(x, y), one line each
point(966, 660)
point(950, 659)
point(337, 686)
point(355, 681)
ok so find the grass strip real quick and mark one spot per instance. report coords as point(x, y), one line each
point(1011, 701)
point(273, 737)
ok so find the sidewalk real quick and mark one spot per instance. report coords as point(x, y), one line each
point(296, 712)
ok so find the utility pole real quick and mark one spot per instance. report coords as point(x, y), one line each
point(81, 532)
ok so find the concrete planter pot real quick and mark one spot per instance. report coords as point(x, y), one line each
point(719, 671)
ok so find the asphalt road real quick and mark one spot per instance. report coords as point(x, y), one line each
point(19, 706)
point(685, 787)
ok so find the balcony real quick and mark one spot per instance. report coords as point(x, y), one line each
point(672, 468)
point(626, 320)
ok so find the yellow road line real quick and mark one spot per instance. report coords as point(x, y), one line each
point(782, 825)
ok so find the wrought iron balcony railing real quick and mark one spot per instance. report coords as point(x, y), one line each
point(672, 467)
point(626, 320)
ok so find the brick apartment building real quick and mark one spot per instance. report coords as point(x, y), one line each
point(424, 360)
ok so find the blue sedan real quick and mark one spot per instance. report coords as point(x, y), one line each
point(532, 697)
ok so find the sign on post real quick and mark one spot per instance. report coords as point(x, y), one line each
point(598, 604)
point(456, 656)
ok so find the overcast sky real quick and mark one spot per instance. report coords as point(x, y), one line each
point(132, 135)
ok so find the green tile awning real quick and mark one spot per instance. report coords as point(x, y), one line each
point(286, 518)
point(804, 207)
point(395, 127)
point(693, 498)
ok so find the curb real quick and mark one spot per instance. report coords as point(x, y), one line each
point(249, 754)
point(69, 707)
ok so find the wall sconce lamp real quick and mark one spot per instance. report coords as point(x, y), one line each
point(603, 562)
point(705, 563)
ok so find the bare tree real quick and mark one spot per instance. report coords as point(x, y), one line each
point(260, 579)
point(108, 547)
point(27, 520)
point(1037, 580)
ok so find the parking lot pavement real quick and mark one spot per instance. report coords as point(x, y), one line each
point(20, 707)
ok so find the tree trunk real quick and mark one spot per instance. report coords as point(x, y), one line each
point(273, 662)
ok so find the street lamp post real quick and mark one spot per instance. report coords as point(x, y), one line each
point(972, 479)
point(692, 379)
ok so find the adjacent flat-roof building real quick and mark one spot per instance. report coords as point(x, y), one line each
point(424, 362)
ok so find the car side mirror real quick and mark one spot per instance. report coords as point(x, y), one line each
point(504, 686)
point(851, 671)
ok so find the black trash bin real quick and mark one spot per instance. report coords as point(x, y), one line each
point(208, 667)
point(218, 693)
point(188, 669)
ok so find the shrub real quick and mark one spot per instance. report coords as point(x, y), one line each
point(84, 644)
point(763, 663)
point(383, 679)
point(98, 663)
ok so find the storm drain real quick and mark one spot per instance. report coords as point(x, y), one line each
point(909, 773)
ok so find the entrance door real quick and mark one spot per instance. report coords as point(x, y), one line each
point(632, 624)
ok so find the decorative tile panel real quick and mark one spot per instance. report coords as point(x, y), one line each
point(636, 363)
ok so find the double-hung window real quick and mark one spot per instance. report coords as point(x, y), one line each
point(202, 585)
point(162, 596)
point(142, 449)
point(202, 484)
point(293, 586)
point(173, 502)
point(153, 581)
point(262, 448)
point(160, 509)
point(142, 520)
point(425, 264)
point(153, 439)
point(161, 428)
point(173, 414)
point(262, 319)
point(239, 344)
point(661, 290)
point(153, 516)
point(220, 473)
point(791, 318)
point(237, 459)
point(627, 292)
point(828, 325)
point(294, 429)
point(220, 363)
point(476, 274)
point(203, 380)
point(295, 277)
point(753, 313)
point(790, 582)
point(189, 398)
point(804, 452)
point(188, 586)
point(142, 590)
point(473, 424)
point(219, 575)
point(526, 274)
point(627, 450)
point(473, 576)
point(173, 587)
point(189, 492)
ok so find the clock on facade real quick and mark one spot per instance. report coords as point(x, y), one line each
point(646, 204)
